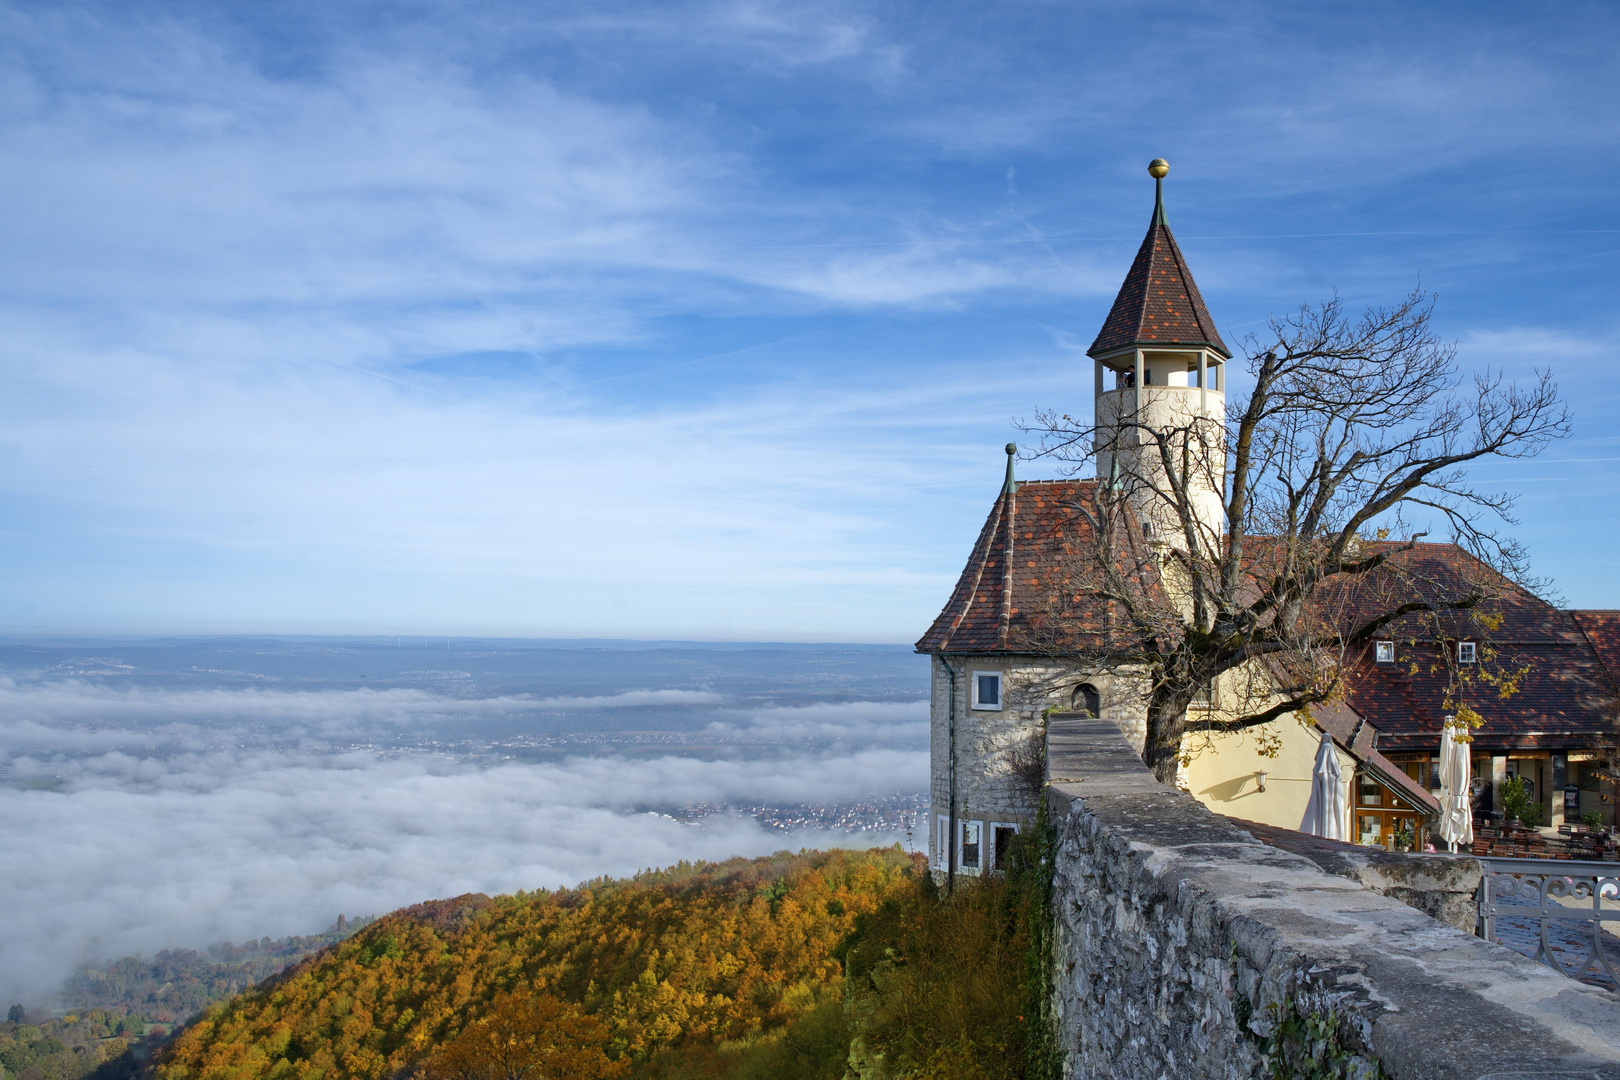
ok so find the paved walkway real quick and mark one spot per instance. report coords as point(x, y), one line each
point(1569, 941)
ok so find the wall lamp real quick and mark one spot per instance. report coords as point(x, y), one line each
point(1260, 781)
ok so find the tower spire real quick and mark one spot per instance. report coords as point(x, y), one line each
point(1159, 168)
point(1158, 305)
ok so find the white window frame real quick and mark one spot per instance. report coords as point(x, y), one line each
point(1384, 652)
point(994, 825)
point(942, 840)
point(1467, 652)
point(962, 825)
point(1001, 691)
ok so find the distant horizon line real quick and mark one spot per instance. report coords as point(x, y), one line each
point(441, 642)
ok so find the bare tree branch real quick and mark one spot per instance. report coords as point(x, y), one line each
point(1353, 425)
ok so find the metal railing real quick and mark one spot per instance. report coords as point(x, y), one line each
point(1557, 907)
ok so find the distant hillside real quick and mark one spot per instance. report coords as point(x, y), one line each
point(735, 969)
point(176, 984)
point(95, 1041)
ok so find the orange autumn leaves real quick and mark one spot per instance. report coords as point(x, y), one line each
point(528, 1038)
point(694, 954)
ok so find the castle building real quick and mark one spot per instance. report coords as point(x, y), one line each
point(1006, 650)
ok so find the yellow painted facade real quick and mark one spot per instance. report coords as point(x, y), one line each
point(1225, 777)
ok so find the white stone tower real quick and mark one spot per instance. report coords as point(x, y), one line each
point(1168, 368)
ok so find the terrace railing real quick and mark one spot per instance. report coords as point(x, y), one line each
point(1557, 907)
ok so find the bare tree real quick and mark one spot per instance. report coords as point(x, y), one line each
point(1354, 428)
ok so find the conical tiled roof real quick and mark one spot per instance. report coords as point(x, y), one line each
point(1159, 303)
point(1023, 588)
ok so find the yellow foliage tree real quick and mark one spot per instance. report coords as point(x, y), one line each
point(527, 1038)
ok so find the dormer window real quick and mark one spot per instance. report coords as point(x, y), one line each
point(1465, 652)
point(987, 690)
point(1386, 652)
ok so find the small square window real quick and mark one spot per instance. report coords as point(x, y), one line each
point(968, 850)
point(1386, 652)
point(987, 690)
point(1465, 652)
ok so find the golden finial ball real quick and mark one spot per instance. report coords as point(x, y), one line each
point(1158, 167)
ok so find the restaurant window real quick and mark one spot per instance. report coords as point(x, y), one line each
point(969, 844)
point(1370, 829)
point(1465, 652)
point(1386, 652)
point(1369, 792)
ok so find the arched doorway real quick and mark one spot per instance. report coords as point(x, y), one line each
point(1086, 700)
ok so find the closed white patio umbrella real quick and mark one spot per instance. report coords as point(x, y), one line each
point(1328, 817)
point(1456, 817)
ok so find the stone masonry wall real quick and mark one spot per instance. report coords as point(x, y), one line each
point(1177, 931)
point(986, 788)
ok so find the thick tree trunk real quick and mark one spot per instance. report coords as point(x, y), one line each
point(1166, 723)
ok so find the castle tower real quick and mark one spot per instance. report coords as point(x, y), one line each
point(1168, 373)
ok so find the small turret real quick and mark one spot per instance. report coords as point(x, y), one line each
point(1168, 367)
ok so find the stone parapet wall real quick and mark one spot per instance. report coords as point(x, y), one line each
point(1442, 886)
point(1177, 931)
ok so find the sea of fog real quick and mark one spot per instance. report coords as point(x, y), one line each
point(181, 792)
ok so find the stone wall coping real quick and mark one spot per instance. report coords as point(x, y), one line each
point(1428, 1001)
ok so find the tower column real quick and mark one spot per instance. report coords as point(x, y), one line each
point(1100, 388)
point(1203, 382)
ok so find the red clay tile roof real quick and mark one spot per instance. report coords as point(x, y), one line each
point(1159, 303)
point(1562, 699)
point(1602, 631)
point(1005, 604)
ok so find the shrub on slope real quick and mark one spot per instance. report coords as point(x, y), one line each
point(705, 955)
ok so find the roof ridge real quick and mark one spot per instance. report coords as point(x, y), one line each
point(1010, 497)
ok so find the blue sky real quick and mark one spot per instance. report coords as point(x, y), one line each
point(709, 320)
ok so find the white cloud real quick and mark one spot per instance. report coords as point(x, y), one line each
point(228, 838)
point(864, 722)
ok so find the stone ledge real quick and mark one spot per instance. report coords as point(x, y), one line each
point(1173, 921)
point(1442, 886)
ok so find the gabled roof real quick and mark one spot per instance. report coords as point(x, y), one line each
point(1560, 699)
point(1016, 593)
point(1159, 304)
point(1350, 730)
